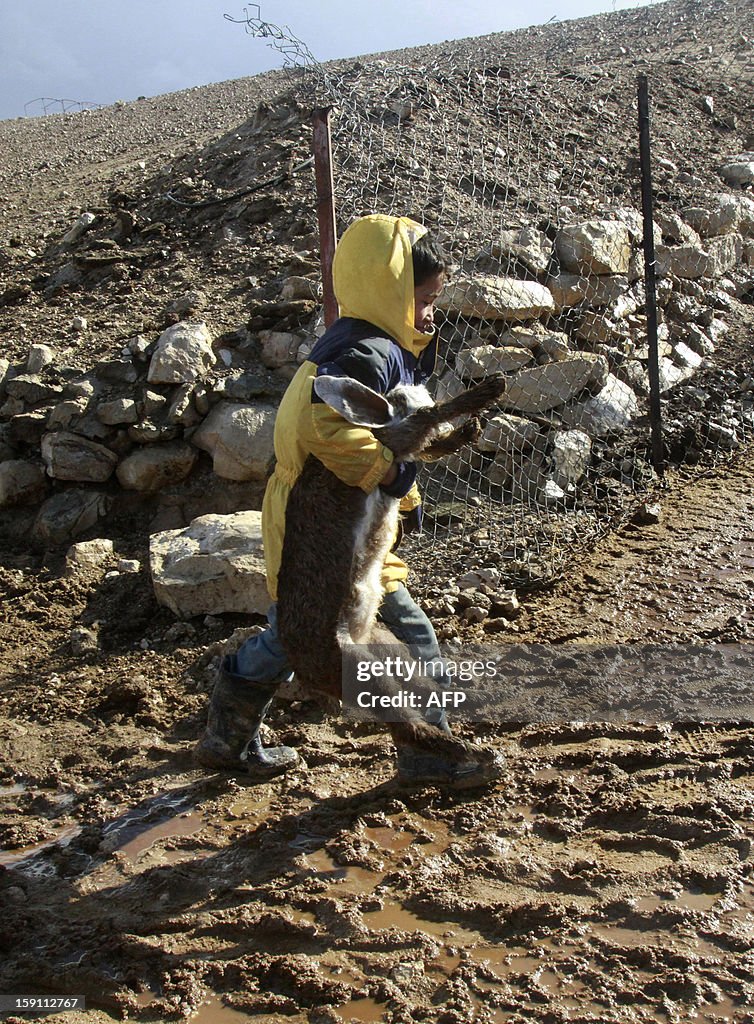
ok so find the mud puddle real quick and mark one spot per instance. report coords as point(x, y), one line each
point(159, 822)
point(22, 857)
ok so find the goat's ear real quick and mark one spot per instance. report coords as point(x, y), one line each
point(354, 401)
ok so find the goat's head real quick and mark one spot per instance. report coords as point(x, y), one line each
point(364, 407)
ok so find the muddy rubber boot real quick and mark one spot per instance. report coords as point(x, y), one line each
point(417, 767)
point(231, 740)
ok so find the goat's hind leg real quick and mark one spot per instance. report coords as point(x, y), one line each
point(426, 754)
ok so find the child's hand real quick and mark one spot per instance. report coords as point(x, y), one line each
point(391, 475)
point(399, 479)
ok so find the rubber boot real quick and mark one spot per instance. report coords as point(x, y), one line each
point(231, 740)
point(421, 767)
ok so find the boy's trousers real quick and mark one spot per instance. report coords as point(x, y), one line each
point(262, 659)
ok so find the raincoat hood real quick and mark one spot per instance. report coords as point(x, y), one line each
point(373, 276)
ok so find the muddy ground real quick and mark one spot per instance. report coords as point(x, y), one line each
point(607, 876)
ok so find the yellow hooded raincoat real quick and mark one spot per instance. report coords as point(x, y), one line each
point(374, 286)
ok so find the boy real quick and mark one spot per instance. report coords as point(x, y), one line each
point(387, 274)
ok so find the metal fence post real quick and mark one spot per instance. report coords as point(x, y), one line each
point(655, 410)
point(325, 207)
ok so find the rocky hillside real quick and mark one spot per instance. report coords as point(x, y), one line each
point(159, 277)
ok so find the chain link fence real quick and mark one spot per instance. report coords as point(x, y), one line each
point(521, 152)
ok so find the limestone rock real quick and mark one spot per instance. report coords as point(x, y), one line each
point(39, 356)
point(527, 245)
point(183, 353)
point(117, 371)
point(684, 355)
point(527, 337)
point(21, 482)
point(149, 432)
point(612, 409)
point(697, 340)
point(594, 247)
point(69, 456)
point(278, 348)
point(449, 386)
point(212, 566)
point(84, 640)
point(720, 215)
point(671, 374)
point(182, 409)
point(523, 476)
point(479, 362)
point(567, 290)
point(66, 413)
point(571, 454)
point(153, 403)
point(506, 432)
point(605, 290)
point(85, 387)
point(8, 450)
point(301, 288)
point(717, 256)
point(519, 448)
point(739, 170)
point(496, 298)
point(138, 347)
point(27, 427)
point(156, 466)
point(597, 330)
point(239, 439)
point(117, 412)
point(724, 252)
point(555, 346)
point(632, 219)
point(633, 373)
point(31, 389)
point(68, 514)
point(538, 389)
point(675, 229)
point(191, 302)
point(81, 226)
point(89, 554)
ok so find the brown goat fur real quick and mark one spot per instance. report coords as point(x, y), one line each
point(337, 537)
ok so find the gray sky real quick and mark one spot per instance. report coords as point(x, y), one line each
point(101, 51)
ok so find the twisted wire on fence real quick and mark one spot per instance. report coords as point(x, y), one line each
point(521, 151)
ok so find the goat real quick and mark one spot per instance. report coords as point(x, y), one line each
point(337, 537)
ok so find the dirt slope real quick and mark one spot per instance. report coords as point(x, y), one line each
point(606, 878)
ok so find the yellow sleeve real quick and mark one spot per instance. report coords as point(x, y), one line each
point(352, 453)
point(411, 500)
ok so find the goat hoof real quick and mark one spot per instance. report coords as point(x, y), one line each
point(419, 768)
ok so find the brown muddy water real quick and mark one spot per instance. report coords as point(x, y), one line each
point(605, 879)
